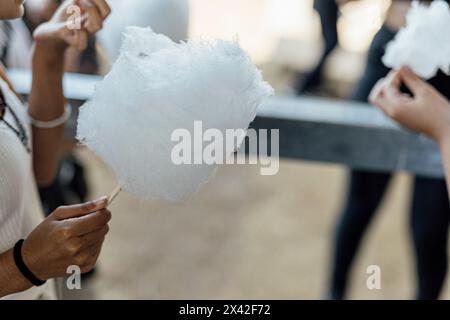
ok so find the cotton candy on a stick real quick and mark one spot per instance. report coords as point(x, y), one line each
point(424, 43)
point(157, 86)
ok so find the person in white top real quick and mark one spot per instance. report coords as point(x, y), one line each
point(33, 250)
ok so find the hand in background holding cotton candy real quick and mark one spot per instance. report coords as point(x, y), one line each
point(426, 110)
point(424, 44)
point(156, 87)
point(66, 28)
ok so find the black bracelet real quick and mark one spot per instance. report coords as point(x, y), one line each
point(22, 267)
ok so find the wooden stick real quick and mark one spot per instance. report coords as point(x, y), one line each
point(114, 194)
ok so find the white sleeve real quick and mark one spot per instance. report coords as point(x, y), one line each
point(12, 186)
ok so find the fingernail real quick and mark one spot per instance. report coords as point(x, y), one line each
point(101, 201)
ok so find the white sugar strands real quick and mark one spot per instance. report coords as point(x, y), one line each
point(424, 44)
point(156, 87)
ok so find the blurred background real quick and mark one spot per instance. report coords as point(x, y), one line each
point(245, 236)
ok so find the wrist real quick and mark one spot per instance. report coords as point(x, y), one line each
point(49, 52)
point(32, 261)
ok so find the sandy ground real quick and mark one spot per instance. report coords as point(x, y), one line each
point(246, 236)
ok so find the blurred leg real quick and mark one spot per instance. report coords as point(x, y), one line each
point(375, 69)
point(430, 217)
point(365, 189)
point(365, 192)
point(328, 12)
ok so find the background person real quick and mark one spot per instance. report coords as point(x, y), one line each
point(70, 185)
point(328, 11)
point(430, 212)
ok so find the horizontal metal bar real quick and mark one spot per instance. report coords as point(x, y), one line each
point(353, 134)
point(77, 87)
point(344, 132)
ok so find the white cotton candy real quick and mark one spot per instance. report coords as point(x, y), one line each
point(157, 86)
point(424, 44)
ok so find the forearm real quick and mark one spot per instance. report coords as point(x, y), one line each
point(46, 104)
point(11, 280)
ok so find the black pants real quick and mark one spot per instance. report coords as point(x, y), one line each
point(430, 210)
point(328, 12)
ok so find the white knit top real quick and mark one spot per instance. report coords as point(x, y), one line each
point(20, 208)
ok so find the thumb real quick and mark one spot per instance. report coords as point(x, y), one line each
point(78, 210)
point(411, 80)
